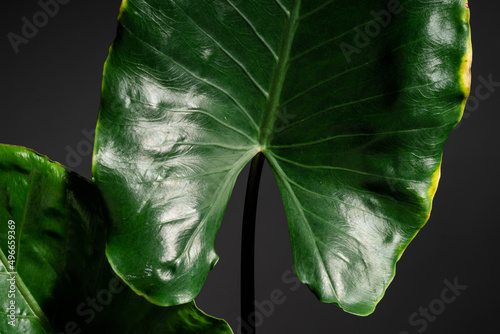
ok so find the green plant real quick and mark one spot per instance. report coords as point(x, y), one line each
point(55, 276)
point(351, 113)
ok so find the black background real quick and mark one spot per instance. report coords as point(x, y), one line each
point(50, 95)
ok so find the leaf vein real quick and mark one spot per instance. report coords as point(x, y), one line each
point(317, 9)
point(339, 169)
point(333, 198)
point(350, 103)
point(212, 206)
point(285, 10)
point(222, 90)
point(254, 29)
point(285, 179)
point(236, 61)
point(322, 82)
point(323, 140)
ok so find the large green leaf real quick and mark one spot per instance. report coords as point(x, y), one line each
point(350, 101)
point(54, 263)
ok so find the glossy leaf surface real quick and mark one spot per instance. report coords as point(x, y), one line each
point(62, 280)
point(350, 101)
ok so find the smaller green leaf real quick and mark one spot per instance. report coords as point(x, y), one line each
point(54, 261)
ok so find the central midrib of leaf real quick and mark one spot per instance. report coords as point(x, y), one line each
point(271, 111)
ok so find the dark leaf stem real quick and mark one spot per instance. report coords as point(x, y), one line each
point(248, 244)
